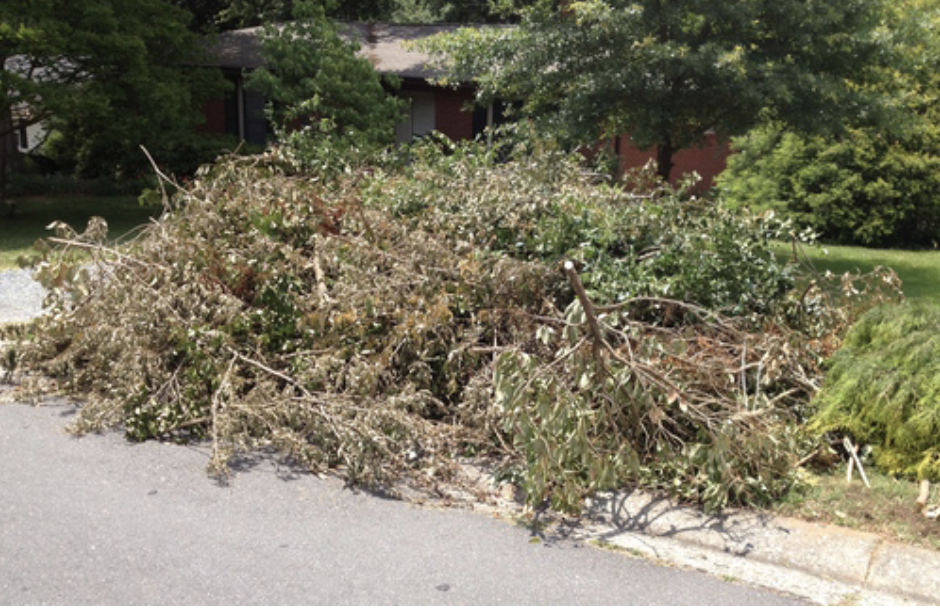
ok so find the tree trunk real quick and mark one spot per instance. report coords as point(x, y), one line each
point(6, 124)
point(664, 153)
point(618, 154)
point(8, 151)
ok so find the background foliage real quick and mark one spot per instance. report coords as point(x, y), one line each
point(232, 14)
point(872, 186)
point(110, 75)
point(865, 188)
point(667, 72)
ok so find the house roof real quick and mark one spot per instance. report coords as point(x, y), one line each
point(381, 43)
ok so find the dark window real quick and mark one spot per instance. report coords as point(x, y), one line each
point(501, 112)
point(256, 126)
point(231, 109)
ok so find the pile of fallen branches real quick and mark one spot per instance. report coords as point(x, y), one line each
point(265, 310)
point(707, 410)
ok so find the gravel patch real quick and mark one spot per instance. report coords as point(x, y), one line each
point(20, 296)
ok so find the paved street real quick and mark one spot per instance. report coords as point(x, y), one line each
point(96, 520)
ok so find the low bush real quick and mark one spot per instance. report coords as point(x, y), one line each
point(385, 322)
point(63, 160)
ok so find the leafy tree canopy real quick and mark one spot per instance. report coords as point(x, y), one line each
point(317, 87)
point(455, 11)
point(667, 72)
point(206, 15)
point(867, 186)
point(232, 14)
point(110, 75)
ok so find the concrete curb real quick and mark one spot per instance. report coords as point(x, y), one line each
point(823, 563)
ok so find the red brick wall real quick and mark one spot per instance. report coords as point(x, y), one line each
point(708, 160)
point(454, 118)
point(451, 114)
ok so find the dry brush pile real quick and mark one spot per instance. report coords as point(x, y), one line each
point(383, 324)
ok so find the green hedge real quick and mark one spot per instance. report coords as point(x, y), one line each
point(863, 189)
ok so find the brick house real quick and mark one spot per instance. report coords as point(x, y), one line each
point(445, 109)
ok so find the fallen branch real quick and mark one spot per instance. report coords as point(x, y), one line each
point(598, 342)
point(853, 452)
point(924, 496)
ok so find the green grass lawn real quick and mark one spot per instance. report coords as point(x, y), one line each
point(28, 223)
point(887, 508)
point(919, 270)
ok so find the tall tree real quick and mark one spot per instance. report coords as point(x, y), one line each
point(230, 14)
point(452, 11)
point(318, 88)
point(669, 71)
point(245, 13)
point(205, 15)
point(869, 186)
point(111, 75)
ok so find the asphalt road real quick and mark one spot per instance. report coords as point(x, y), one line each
point(96, 520)
point(20, 296)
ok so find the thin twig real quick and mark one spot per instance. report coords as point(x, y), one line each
point(163, 177)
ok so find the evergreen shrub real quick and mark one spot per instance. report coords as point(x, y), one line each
point(883, 389)
point(865, 188)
